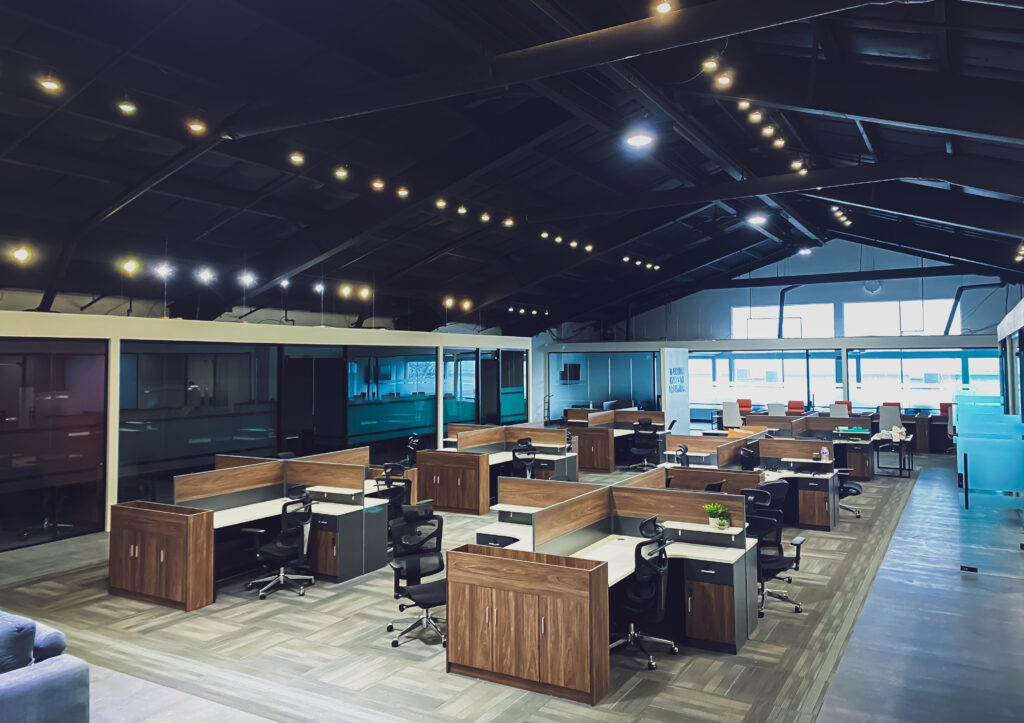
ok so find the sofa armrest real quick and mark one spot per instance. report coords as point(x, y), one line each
point(53, 690)
point(49, 643)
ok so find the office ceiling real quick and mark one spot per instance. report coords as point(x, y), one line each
point(906, 116)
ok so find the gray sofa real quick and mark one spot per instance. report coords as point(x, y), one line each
point(38, 683)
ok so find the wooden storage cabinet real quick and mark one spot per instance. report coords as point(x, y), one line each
point(595, 449)
point(715, 604)
point(818, 501)
point(162, 553)
point(530, 620)
point(456, 481)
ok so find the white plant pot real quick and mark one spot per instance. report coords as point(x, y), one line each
point(713, 522)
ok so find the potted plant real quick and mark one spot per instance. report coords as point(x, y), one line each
point(718, 516)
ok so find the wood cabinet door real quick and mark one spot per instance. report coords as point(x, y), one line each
point(814, 508)
point(173, 557)
point(710, 612)
point(150, 579)
point(470, 629)
point(122, 560)
point(467, 489)
point(429, 478)
point(323, 551)
point(602, 454)
point(516, 618)
point(564, 643)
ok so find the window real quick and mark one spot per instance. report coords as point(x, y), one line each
point(460, 386)
point(899, 318)
point(799, 321)
point(391, 395)
point(592, 379)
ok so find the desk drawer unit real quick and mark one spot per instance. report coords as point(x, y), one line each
point(715, 604)
point(336, 546)
point(482, 538)
point(818, 501)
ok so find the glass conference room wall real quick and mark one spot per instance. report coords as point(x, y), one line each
point(460, 387)
point(764, 377)
point(52, 439)
point(594, 379)
point(183, 403)
point(921, 379)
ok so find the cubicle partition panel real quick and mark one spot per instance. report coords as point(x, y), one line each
point(227, 461)
point(793, 448)
point(356, 455)
point(671, 506)
point(480, 437)
point(825, 426)
point(596, 419)
point(729, 452)
point(455, 429)
point(542, 437)
point(325, 474)
point(568, 526)
point(629, 417)
point(539, 493)
point(778, 426)
point(799, 426)
point(577, 415)
point(651, 479)
point(696, 478)
point(232, 486)
point(549, 628)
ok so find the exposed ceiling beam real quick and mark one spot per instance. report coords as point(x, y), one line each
point(657, 33)
point(972, 171)
point(842, 277)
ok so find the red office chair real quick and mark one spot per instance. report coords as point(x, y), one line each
point(944, 408)
point(847, 404)
point(795, 407)
point(745, 405)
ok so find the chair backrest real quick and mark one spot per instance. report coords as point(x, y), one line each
point(794, 406)
point(647, 590)
point(838, 410)
point(748, 458)
point(714, 486)
point(891, 404)
point(778, 490)
point(944, 408)
point(768, 531)
point(731, 415)
point(756, 498)
point(682, 458)
point(418, 531)
point(296, 518)
point(776, 409)
point(951, 420)
point(412, 444)
point(645, 436)
point(889, 417)
point(395, 487)
point(670, 425)
point(745, 405)
point(524, 454)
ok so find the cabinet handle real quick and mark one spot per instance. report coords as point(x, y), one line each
point(161, 555)
point(494, 618)
point(708, 572)
point(542, 625)
point(334, 551)
point(460, 480)
point(689, 603)
point(487, 615)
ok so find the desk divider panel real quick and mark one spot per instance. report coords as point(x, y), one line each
point(674, 505)
point(410, 474)
point(219, 482)
point(480, 437)
point(545, 437)
point(828, 424)
point(356, 455)
point(539, 493)
point(577, 415)
point(743, 432)
point(704, 445)
point(454, 430)
point(629, 416)
point(696, 479)
point(793, 448)
point(729, 452)
point(651, 479)
point(781, 425)
point(587, 514)
point(324, 474)
point(227, 461)
point(595, 419)
point(800, 426)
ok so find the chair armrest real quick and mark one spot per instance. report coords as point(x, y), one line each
point(797, 542)
point(56, 689)
point(843, 470)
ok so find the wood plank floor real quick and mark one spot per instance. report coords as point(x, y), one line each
point(327, 657)
point(933, 643)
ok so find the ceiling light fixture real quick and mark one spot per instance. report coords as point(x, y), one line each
point(345, 290)
point(802, 171)
point(510, 309)
point(573, 244)
point(723, 80)
point(649, 266)
point(247, 279)
point(639, 138)
point(462, 210)
point(467, 305)
point(664, 7)
point(129, 266)
point(743, 105)
point(522, 311)
point(318, 287)
point(588, 248)
point(195, 126)
point(163, 270)
point(657, 267)
point(768, 131)
point(296, 158)
point(796, 165)
point(341, 173)
point(204, 275)
point(127, 107)
point(364, 293)
point(755, 116)
point(534, 312)
point(21, 254)
point(508, 222)
point(625, 259)
point(544, 234)
point(779, 143)
point(402, 192)
point(449, 302)
point(847, 222)
point(285, 283)
point(757, 219)
point(639, 262)
point(805, 251)
point(710, 65)
point(50, 84)
point(558, 239)
point(485, 217)
point(440, 203)
point(377, 184)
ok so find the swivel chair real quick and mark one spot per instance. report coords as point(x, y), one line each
point(682, 456)
point(748, 458)
point(838, 411)
point(416, 540)
point(846, 403)
point(745, 405)
point(771, 561)
point(848, 488)
point(776, 409)
point(794, 407)
point(731, 415)
point(645, 444)
point(524, 455)
point(395, 488)
point(411, 446)
point(643, 599)
point(289, 550)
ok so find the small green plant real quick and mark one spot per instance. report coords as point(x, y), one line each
point(716, 511)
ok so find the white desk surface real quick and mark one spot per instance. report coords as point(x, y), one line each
point(770, 476)
point(329, 489)
point(621, 432)
point(700, 527)
point(675, 452)
point(523, 533)
point(618, 552)
point(272, 508)
point(804, 460)
point(501, 507)
point(502, 457)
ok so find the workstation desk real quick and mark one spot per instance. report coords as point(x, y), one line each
point(576, 542)
point(604, 437)
point(175, 554)
point(464, 479)
point(711, 451)
point(814, 503)
point(851, 442)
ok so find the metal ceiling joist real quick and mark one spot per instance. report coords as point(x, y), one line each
point(915, 272)
point(688, 26)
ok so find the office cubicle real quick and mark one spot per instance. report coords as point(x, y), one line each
point(990, 462)
point(52, 439)
point(591, 379)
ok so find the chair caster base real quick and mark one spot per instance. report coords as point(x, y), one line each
point(674, 650)
point(651, 665)
point(391, 629)
point(798, 609)
point(760, 613)
point(394, 643)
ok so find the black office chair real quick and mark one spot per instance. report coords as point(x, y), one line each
point(779, 491)
point(670, 425)
point(416, 541)
point(682, 458)
point(748, 458)
point(411, 446)
point(757, 500)
point(643, 598)
point(289, 550)
point(395, 488)
point(645, 444)
point(848, 488)
point(714, 486)
point(524, 455)
point(771, 561)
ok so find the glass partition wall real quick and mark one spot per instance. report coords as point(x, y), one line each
point(460, 387)
point(602, 380)
point(52, 439)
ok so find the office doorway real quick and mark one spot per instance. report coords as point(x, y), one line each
point(490, 387)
